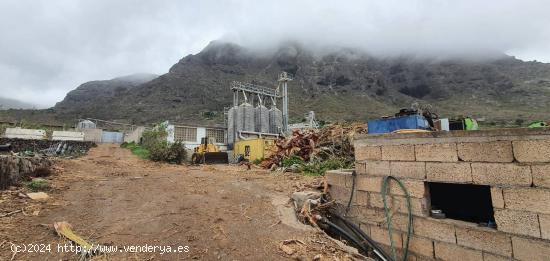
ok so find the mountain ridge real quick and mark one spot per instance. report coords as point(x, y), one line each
point(344, 84)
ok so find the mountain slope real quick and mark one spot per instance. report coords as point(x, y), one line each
point(6, 103)
point(341, 84)
point(100, 97)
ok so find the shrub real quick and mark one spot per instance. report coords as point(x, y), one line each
point(136, 149)
point(257, 161)
point(154, 137)
point(38, 184)
point(291, 160)
point(172, 153)
point(319, 167)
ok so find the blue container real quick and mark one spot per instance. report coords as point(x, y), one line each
point(392, 124)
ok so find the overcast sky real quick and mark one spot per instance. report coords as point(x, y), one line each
point(49, 47)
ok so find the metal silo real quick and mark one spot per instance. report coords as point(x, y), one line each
point(262, 119)
point(275, 120)
point(247, 116)
point(231, 126)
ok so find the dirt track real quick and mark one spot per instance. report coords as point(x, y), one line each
point(113, 198)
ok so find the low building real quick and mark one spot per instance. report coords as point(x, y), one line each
point(191, 135)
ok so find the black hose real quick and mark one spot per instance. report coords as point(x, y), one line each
point(354, 176)
point(365, 238)
point(344, 233)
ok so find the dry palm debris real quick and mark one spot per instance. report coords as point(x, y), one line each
point(333, 141)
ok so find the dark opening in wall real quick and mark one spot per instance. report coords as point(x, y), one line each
point(466, 202)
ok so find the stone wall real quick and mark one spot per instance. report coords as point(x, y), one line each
point(21, 145)
point(14, 168)
point(515, 163)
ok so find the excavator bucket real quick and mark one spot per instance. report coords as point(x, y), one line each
point(216, 158)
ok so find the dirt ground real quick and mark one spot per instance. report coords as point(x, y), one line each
point(113, 198)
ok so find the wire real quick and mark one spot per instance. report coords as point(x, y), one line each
point(388, 219)
point(354, 175)
point(364, 238)
point(344, 233)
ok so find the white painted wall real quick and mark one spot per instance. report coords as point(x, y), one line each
point(190, 145)
point(170, 129)
point(68, 135)
point(30, 134)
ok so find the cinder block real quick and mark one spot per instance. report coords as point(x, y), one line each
point(517, 222)
point(364, 152)
point(544, 226)
point(444, 152)
point(455, 172)
point(362, 198)
point(421, 246)
point(434, 229)
point(532, 150)
point(398, 221)
point(491, 257)
point(419, 206)
point(452, 252)
point(376, 200)
point(483, 239)
point(530, 250)
point(528, 199)
point(382, 236)
point(365, 183)
point(398, 152)
point(541, 175)
point(335, 178)
point(408, 169)
point(374, 168)
point(372, 216)
point(497, 198)
point(340, 194)
point(507, 174)
point(361, 167)
point(416, 188)
point(496, 151)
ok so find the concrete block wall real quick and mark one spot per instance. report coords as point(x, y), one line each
point(68, 135)
point(19, 133)
point(14, 168)
point(515, 163)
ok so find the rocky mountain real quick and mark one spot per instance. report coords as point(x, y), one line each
point(341, 84)
point(100, 97)
point(6, 103)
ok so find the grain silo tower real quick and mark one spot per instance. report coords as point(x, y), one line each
point(275, 120)
point(252, 127)
point(262, 118)
point(246, 111)
point(231, 124)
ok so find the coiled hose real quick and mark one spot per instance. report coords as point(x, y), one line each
point(385, 184)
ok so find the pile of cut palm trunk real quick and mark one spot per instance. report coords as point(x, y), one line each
point(332, 141)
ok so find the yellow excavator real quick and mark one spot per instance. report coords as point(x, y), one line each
point(207, 152)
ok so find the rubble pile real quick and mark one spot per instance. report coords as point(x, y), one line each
point(37, 146)
point(14, 168)
point(333, 141)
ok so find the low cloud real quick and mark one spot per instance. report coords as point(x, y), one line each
point(49, 47)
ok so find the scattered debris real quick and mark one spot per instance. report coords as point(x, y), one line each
point(65, 230)
point(302, 196)
point(289, 246)
point(14, 168)
point(31, 147)
point(331, 142)
point(38, 196)
point(11, 213)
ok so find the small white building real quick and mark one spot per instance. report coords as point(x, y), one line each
point(191, 135)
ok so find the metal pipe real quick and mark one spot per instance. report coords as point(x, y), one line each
point(255, 133)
